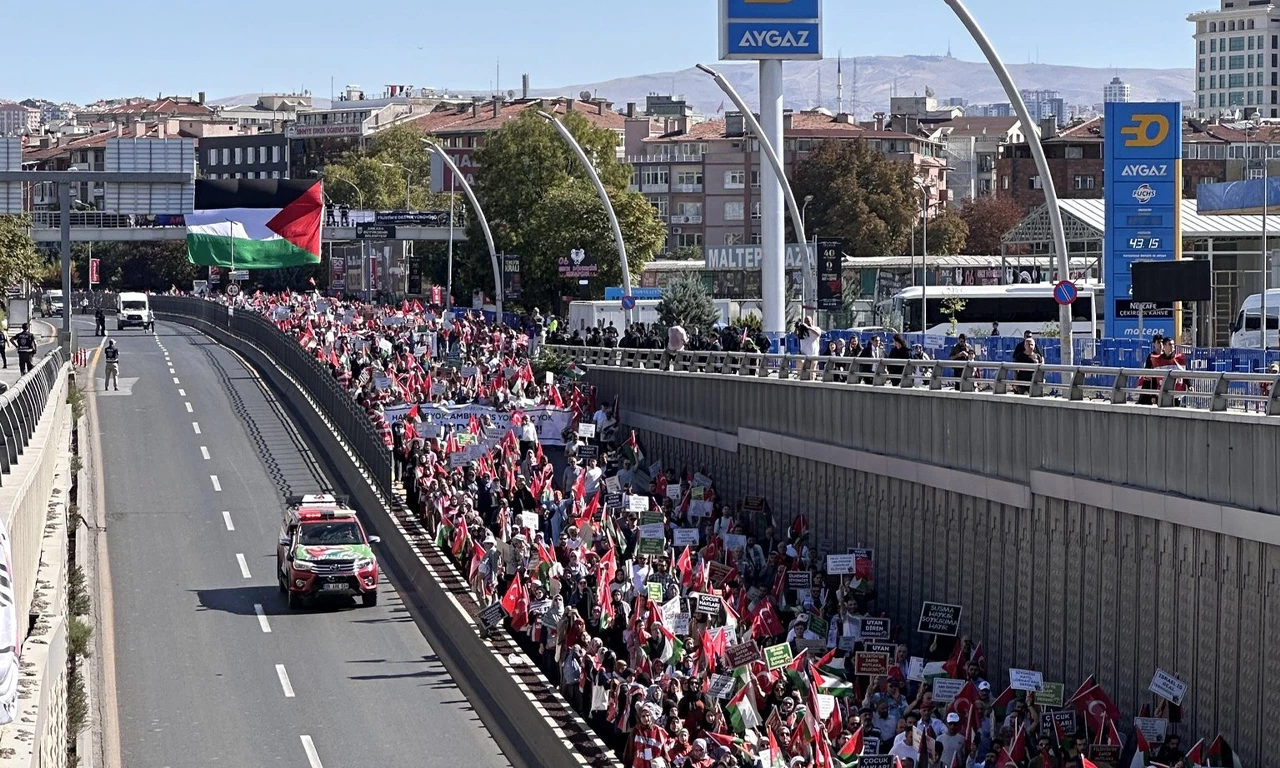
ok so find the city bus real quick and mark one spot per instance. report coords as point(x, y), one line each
point(1017, 308)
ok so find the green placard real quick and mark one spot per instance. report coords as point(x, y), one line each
point(651, 547)
point(778, 656)
point(819, 626)
point(1051, 696)
point(648, 518)
point(655, 591)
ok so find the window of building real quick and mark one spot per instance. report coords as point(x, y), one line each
point(1251, 42)
point(1082, 182)
point(1213, 45)
point(213, 157)
point(734, 238)
point(1234, 99)
point(1004, 182)
point(1075, 153)
point(238, 153)
point(1201, 49)
point(689, 240)
point(1251, 61)
point(689, 209)
point(237, 175)
point(755, 179)
point(756, 211)
point(1213, 99)
point(654, 176)
point(1256, 173)
point(689, 178)
point(1235, 44)
point(757, 238)
point(1262, 42)
point(662, 205)
point(275, 153)
point(275, 174)
point(1250, 79)
point(1249, 96)
point(735, 179)
point(226, 156)
point(804, 145)
point(1235, 81)
point(733, 210)
point(262, 155)
point(1235, 62)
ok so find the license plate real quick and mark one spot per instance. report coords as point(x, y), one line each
point(334, 587)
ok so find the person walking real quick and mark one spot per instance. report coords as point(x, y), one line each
point(112, 355)
point(25, 341)
point(4, 347)
point(99, 323)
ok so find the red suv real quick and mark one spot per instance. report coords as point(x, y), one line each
point(323, 550)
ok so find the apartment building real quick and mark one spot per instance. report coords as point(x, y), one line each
point(704, 178)
point(1115, 91)
point(18, 119)
point(253, 156)
point(1237, 60)
point(972, 146)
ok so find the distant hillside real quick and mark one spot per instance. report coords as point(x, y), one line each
point(869, 89)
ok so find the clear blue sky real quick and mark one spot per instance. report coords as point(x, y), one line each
point(85, 51)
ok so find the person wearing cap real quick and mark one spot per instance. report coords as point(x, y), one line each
point(952, 742)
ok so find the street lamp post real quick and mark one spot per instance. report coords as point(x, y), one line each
point(1042, 165)
point(364, 262)
point(604, 199)
point(484, 222)
point(924, 256)
point(809, 268)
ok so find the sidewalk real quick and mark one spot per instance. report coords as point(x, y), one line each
point(46, 338)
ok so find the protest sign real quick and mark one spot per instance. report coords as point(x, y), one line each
point(915, 669)
point(701, 480)
point(720, 686)
point(872, 760)
point(1050, 695)
point(778, 656)
point(1154, 728)
point(529, 520)
point(699, 509)
point(743, 654)
point(613, 500)
point(650, 517)
point(817, 645)
point(1168, 687)
point(674, 493)
point(940, 619)
point(734, 541)
point(685, 537)
point(654, 590)
point(872, 664)
point(670, 609)
point(719, 573)
point(588, 452)
point(887, 649)
point(799, 580)
point(753, 503)
point(826, 705)
point(652, 531)
point(681, 627)
point(875, 628)
point(1105, 755)
point(945, 689)
point(1026, 680)
point(1063, 718)
point(539, 606)
point(819, 626)
point(709, 604)
point(637, 503)
point(612, 484)
point(439, 387)
point(492, 615)
point(586, 430)
point(846, 643)
point(840, 564)
point(382, 382)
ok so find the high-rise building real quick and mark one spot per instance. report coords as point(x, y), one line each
point(1117, 90)
point(1044, 104)
point(1236, 60)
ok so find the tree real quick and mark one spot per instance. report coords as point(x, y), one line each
point(685, 302)
point(153, 265)
point(989, 218)
point(947, 234)
point(859, 196)
point(19, 258)
point(540, 204)
point(688, 253)
point(378, 171)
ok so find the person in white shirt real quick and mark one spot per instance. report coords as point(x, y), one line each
point(810, 336)
point(677, 338)
point(594, 475)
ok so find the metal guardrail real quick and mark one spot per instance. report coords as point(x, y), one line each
point(1204, 390)
point(103, 220)
point(348, 418)
point(22, 405)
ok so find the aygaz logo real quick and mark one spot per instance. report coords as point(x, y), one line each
point(1147, 131)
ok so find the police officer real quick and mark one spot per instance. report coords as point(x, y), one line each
point(99, 323)
point(25, 341)
point(112, 355)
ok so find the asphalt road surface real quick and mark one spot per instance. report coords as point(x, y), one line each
point(212, 668)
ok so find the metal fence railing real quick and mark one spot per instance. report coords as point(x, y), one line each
point(348, 418)
point(1205, 390)
point(22, 405)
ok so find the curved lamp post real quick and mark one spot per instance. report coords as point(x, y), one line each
point(604, 198)
point(1042, 165)
point(484, 223)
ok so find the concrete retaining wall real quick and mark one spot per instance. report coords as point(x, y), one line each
point(1056, 527)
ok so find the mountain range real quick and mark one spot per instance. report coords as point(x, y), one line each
point(869, 81)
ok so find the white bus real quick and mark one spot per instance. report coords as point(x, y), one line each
point(1016, 308)
point(1246, 327)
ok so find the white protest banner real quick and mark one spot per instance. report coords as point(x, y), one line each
point(915, 668)
point(1154, 728)
point(699, 509)
point(670, 610)
point(652, 531)
point(586, 430)
point(1026, 680)
point(702, 480)
point(945, 689)
point(529, 520)
point(551, 422)
point(681, 627)
point(720, 686)
point(1168, 687)
point(637, 503)
point(735, 541)
point(840, 564)
point(826, 705)
point(673, 492)
point(394, 413)
point(685, 537)
point(612, 484)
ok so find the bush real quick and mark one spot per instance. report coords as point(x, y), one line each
point(78, 603)
point(685, 301)
point(79, 633)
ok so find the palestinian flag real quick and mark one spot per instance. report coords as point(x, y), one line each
point(255, 224)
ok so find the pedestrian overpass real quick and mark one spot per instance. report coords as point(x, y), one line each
point(99, 227)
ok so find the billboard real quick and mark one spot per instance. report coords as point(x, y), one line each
point(770, 29)
point(1142, 169)
point(830, 275)
point(512, 287)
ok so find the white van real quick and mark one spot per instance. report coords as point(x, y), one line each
point(133, 309)
point(1246, 328)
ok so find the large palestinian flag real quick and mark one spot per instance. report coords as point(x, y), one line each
point(255, 224)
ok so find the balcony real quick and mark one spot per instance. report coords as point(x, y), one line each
point(687, 188)
point(655, 189)
point(679, 219)
point(634, 159)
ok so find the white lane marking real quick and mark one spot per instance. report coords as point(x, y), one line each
point(226, 518)
point(182, 393)
point(284, 683)
point(189, 409)
point(175, 378)
point(171, 371)
point(262, 617)
point(196, 426)
point(313, 757)
point(244, 566)
point(217, 486)
point(204, 453)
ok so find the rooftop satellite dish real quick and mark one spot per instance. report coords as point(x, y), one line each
point(585, 96)
point(511, 94)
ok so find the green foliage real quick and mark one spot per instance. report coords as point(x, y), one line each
point(19, 258)
point(951, 308)
point(154, 265)
point(989, 219)
point(685, 301)
point(75, 396)
point(859, 196)
point(378, 172)
point(751, 321)
point(549, 360)
point(79, 634)
point(78, 603)
point(947, 234)
point(541, 204)
point(688, 253)
point(77, 710)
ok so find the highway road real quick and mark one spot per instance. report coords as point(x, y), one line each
point(211, 666)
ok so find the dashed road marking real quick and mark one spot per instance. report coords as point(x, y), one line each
point(182, 393)
point(196, 426)
point(204, 453)
point(226, 518)
point(244, 566)
point(217, 486)
point(262, 618)
point(175, 379)
point(284, 682)
point(189, 408)
point(313, 757)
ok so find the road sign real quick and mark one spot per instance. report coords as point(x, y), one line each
point(237, 275)
point(233, 290)
point(628, 302)
point(1065, 292)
